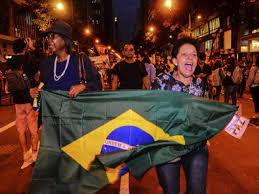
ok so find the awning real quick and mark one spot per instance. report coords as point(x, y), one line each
point(254, 36)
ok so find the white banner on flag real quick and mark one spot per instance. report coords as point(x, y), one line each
point(237, 126)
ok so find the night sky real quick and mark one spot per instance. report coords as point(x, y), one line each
point(127, 12)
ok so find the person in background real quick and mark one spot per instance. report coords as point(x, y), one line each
point(131, 74)
point(230, 88)
point(26, 117)
point(159, 65)
point(215, 80)
point(195, 163)
point(203, 70)
point(242, 87)
point(253, 85)
point(151, 70)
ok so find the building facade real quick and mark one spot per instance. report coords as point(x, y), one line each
point(15, 22)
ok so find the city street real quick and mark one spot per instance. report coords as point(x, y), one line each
point(233, 163)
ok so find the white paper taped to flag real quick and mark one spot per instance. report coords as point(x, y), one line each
point(237, 126)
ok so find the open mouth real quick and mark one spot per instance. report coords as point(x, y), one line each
point(188, 66)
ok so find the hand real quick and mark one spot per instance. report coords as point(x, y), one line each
point(34, 92)
point(76, 89)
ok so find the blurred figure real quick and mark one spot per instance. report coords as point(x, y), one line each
point(253, 85)
point(26, 117)
point(151, 70)
point(215, 81)
point(230, 88)
point(203, 70)
point(159, 65)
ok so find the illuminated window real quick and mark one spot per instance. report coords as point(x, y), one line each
point(204, 29)
point(254, 47)
point(208, 45)
point(214, 25)
point(196, 33)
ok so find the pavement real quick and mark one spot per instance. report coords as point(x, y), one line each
point(233, 163)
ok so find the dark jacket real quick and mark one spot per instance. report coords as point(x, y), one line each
point(24, 63)
point(92, 76)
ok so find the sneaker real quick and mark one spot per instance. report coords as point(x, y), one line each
point(27, 155)
point(27, 159)
point(27, 163)
point(34, 155)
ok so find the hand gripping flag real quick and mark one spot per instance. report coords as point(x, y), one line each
point(89, 141)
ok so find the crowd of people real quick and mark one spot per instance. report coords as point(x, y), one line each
point(185, 71)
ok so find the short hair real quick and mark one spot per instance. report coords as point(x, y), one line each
point(19, 45)
point(127, 43)
point(144, 56)
point(181, 42)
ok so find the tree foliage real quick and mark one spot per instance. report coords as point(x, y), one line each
point(43, 13)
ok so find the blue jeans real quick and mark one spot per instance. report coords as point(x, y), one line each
point(195, 165)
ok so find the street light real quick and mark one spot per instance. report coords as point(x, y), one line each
point(199, 17)
point(87, 31)
point(97, 41)
point(151, 29)
point(109, 47)
point(168, 4)
point(60, 6)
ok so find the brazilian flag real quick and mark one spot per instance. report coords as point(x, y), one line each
point(89, 141)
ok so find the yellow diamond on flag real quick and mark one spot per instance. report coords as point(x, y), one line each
point(117, 134)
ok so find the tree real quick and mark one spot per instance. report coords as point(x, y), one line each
point(43, 13)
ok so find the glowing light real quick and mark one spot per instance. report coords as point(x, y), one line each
point(97, 41)
point(168, 4)
point(87, 31)
point(60, 6)
point(109, 47)
point(151, 29)
point(199, 17)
